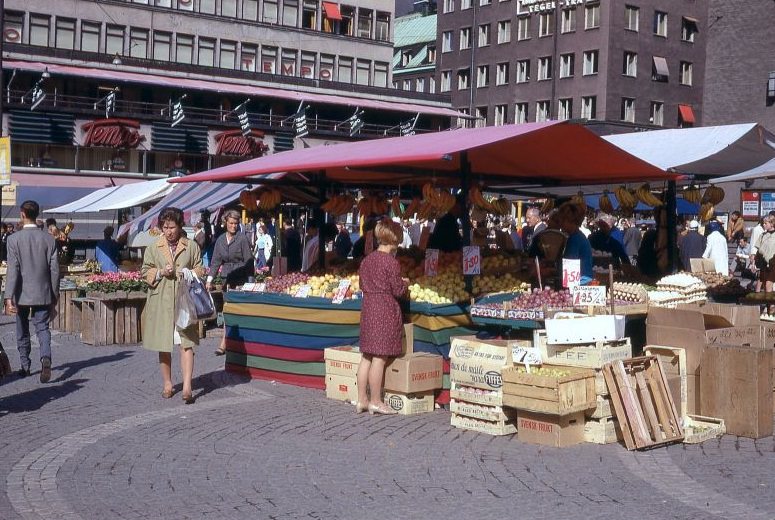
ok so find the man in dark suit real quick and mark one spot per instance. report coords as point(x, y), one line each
point(32, 287)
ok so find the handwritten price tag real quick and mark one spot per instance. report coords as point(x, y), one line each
point(260, 287)
point(341, 291)
point(303, 291)
point(571, 272)
point(431, 262)
point(248, 287)
point(472, 260)
point(526, 355)
point(589, 296)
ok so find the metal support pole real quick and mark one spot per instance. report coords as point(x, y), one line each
point(320, 219)
point(672, 235)
point(465, 175)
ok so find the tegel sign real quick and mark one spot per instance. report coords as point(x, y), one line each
point(112, 133)
point(542, 6)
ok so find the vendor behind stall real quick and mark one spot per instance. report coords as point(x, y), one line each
point(446, 234)
point(570, 216)
point(603, 240)
point(106, 252)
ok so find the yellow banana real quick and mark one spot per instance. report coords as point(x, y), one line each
point(605, 203)
point(547, 206)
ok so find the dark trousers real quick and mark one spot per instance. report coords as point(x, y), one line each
point(40, 318)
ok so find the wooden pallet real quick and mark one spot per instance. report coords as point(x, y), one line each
point(642, 403)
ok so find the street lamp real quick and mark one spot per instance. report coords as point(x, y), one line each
point(117, 60)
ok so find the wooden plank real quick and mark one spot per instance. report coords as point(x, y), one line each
point(631, 405)
point(664, 408)
point(136, 329)
point(619, 411)
point(648, 407)
point(118, 326)
point(88, 321)
point(110, 322)
point(534, 392)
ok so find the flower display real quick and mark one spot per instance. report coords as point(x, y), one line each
point(112, 282)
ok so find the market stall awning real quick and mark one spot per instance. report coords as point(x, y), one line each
point(296, 93)
point(765, 171)
point(117, 197)
point(704, 151)
point(550, 153)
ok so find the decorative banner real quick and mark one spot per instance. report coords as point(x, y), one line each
point(177, 112)
point(589, 296)
point(300, 123)
point(571, 272)
point(5, 161)
point(341, 291)
point(472, 260)
point(110, 103)
point(355, 122)
point(750, 204)
point(431, 262)
point(244, 120)
point(768, 203)
point(37, 96)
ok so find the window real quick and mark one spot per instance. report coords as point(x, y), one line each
point(364, 23)
point(229, 8)
point(228, 57)
point(326, 67)
point(463, 79)
point(309, 14)
point(431, 58)
point(689, 29)
point(542, 111)
point(207, 6)
point(420, 85)
point(465, 38)
point(268, 60)
point(501, 114)
point(164, 3)
point(523, 71)
point(657, 114)
point(592, 16)
point(114, 39)
point(568, 20)
point(523, 28)
point(346, 24)
point(482, 76)
point(65, 33)
point(184, 48)
point(13, 27)
point(630, 64)
point(482, 3)
point(465, 4)
point(39, 30)
point(504, 31)
point(565, 109)
point(249, 57)
point(291, 13)
point(502, 73)
point(481, 117)
point(185, 5)
point(446, 81)
point(363, 72)
point(432, 85)
point(659, 70)
point(250, 10)
point(686, 74)
point(381, 74)
point(90, 36)
point(463, 122)
point(138, 43)
point(628, 110)
point(544, 68)
point(631, 17)
point(484, 35)
point(383, 26)
point(406, 57)
point(520, 113)
point(448, 6)
point(345, 70)
point(567, 65)
point(269, 13)
point(770, 88)
point(589, 107)
point(446, 41)
point(162, 45)
point(206, 54)
point(590, 62)
point(660, 23)
point(407, 84)
point(307, 69)
point(545, 24)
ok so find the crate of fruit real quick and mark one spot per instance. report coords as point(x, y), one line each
point(700, 429)
point(501, 427)
point(550, 390)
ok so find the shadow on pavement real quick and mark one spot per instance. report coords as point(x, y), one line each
point(203, 384)
point(68, 370)
point(35, 399)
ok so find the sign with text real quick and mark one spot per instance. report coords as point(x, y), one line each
point(431, 262)
point(303, 291)
point(767, 203)
point(589, 296)
point(341, 291)
point(472, 260)
point(750, 202)
point(526, 355)
point(571, 272)
point(5, 161)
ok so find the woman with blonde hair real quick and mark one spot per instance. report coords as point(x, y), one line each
point(381, 319)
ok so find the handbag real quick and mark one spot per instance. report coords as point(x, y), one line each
point(759, 261)
point(194, 302)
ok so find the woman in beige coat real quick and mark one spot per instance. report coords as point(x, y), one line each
point(162, 265)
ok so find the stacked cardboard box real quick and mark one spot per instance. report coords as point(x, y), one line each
point(476, 385)
point(341, 371)
point(412, 379)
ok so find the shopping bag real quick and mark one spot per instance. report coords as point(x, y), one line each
point(194, 302)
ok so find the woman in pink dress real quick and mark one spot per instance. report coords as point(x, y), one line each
point(381, 321)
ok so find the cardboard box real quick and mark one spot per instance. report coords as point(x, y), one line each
point(603, 409)
point(341, 388)
point(477, 411)
point(551, 430)
point(768, 333)
point(409, 404)
point(342, 361)
point(694, 327)
point(507, 427)
point(737, 315)
point(475, 395)
point(736, 386)
point(702, 265)
point(478, 363)
point(602, 431)
point(414, 371)
point(587, 329)
point(590, 355)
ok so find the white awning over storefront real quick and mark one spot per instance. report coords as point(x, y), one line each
point(118, 197)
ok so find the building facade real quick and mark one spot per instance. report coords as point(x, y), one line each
point(511, 61)
point(740, 76)
point(414, 56)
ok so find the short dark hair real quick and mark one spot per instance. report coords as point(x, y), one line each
point(171, 214)
point(108, 231)
point(51, 221)
point(31, 209)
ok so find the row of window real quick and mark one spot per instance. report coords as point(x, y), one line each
point(545, 28)
point(565, 110)
point(190, 49)
point(336, 18)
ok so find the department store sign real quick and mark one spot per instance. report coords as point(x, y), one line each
point(542, 6)
point(112, 133)
point(232, 142)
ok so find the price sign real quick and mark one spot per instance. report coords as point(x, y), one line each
point(303, 291)
point(260, 287)
point(526, 355)
point(247, 287)
point(472, 260)
point(571, 272)
point(431, 262)
point(341, 291)
point(589, 296)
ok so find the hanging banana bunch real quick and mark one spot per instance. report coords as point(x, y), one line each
point(248, 200)
point(713, 195)
point(396, 208)
point(547, 206)
point(339, 205)
point(480, 201)
point(372, 205)
point(626, 198)
point(269, 199)
point(692, 194)
point(707, 210)
point(413, 208)
point(605, 203)
point(643, 193)
point(578, 198)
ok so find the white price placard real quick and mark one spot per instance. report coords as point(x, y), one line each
point(341, 291)
point(571, 272)
point(526, 355)
point(589, 296)
point(472, 260)
point(431, 262)
point(303, 291)
point(260, 287)
point(248, 287)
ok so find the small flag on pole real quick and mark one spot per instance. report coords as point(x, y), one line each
point(177, 113)
point(300, 122)
point(110, 103)
point(355, 122)
point(407, 127)
point(37, 96)
point(244, 120)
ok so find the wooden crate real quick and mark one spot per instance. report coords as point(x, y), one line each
point(642, 403)
point(586, 355)
point(549, 394)
point(63, 321)
point(602, 431)
point(673, 360)
point(477, 411)
point(698, 428)
point(110, 322)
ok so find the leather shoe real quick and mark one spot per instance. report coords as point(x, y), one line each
point(45, 372)
point(23, 372)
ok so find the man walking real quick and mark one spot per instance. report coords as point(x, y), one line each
point(31, 287)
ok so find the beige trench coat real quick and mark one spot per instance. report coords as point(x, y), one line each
point(159, 313)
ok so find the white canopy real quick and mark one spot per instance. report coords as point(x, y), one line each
point(118, 197)
point(764, 171)
point(704, 151)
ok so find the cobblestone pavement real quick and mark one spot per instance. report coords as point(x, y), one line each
point(99, 442)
